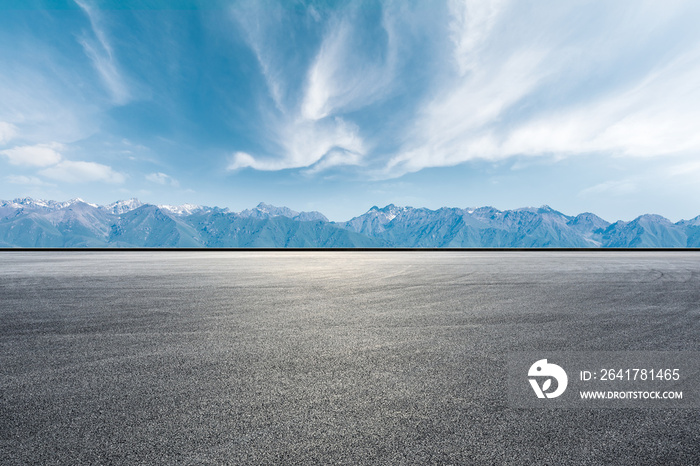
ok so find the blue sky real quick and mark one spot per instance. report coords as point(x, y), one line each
point(338, 106)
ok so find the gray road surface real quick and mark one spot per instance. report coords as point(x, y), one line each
point(328, 357)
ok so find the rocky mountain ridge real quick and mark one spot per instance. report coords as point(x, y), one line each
point(31, 223)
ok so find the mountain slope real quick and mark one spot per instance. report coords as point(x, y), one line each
point(460, 228)
point(30, 230)
point(646, 231)
point(263, 210)
point(151, 227)
point(28, 222)
point(220, 229)
point(81, 225)
point(692, 231)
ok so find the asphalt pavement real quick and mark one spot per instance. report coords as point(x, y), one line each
point(329, 357)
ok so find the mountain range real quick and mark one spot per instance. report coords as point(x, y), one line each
point(31, 223)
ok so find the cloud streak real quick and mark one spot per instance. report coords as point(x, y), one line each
point(340, 79)
point(25, 180)
point(102, 56)
point(502, 80)
point(83, 172)
point(312, 132)
point(306, 144)
point(7, 132)
point(52, 165)
point(500, 103)
point(162, 179)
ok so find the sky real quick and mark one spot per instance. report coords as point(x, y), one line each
point(585, 106)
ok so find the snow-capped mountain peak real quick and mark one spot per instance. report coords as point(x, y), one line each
point(183, 209)
point(77, 200)
point(263, 210)
point(36, 204)
point(27, 222)
point(121, 207)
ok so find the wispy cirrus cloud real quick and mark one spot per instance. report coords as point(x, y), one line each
point(48, 94)
point(309, 128)
point(502, 79)
point(101, 53)
point(340, 79)
point(470, 29)
point(458, 125)
point(329, 142)
point(26, 180)
point(266, 31)
point(39, 106)
point(47, 88)
point(612, 187)
point(7, 132)
point(560, 84)
point(162, 179)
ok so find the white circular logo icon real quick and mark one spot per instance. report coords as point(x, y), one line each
point(541, 375)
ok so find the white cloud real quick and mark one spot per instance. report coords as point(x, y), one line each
point(342, 76)
point(41, 155)
point(261, 31)
point(44, 90)
point(521, 86)
point(502, 79)
point(162, 179)
point(80, 172)
point(342, 79)
point(45, 106)
point(613, 187)
point(472, 21)
point(456, 126)
point(241, 160)
point(24, 180)
point(304, 143)
point(7, 132)
point(334, 158)
point(102, 56)
point(655, 117)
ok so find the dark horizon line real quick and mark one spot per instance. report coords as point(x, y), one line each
point(388, 249)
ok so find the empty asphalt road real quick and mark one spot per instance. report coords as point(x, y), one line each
point(329, 357)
